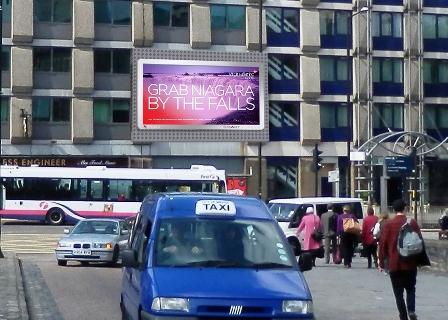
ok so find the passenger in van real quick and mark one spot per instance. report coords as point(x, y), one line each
point(328, 227)
point(310, 222)
point(178, 242)
point(347, 239)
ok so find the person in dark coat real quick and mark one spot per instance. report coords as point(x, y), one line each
point(402, 271)
point(328, 227)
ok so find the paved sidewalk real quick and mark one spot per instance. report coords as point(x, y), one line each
point(12, 296)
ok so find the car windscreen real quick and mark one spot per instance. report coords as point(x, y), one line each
point(98, 227)
point(283, 211)
point(220, 244)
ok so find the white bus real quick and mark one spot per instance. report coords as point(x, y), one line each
point(60, 195)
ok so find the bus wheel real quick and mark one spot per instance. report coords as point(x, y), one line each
point(55, 216)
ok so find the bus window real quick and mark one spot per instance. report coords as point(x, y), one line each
point(120, 190)
point(96, 189)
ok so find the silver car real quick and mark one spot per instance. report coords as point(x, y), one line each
point(93, 240)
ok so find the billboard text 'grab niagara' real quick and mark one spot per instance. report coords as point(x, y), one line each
point(199, 95)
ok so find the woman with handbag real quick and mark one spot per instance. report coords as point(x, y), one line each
point(312, 236)
point(347, 226)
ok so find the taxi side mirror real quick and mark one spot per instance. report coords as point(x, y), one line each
point(128, 259)
point(305, 261)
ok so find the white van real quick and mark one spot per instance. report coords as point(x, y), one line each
point(289, 212)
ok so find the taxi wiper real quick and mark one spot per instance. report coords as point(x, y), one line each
point(213, 263)
point(270, 265)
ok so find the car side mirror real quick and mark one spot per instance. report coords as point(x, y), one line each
point(305, 261)
point(66, 231)
point(128, 258)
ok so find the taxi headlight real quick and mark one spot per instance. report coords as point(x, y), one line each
point(298, 306)
point(102, 245)
point(63, 245)
point(172, 304)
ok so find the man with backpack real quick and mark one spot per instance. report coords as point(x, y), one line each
point(401, 243)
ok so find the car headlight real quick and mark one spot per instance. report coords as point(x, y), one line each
point(171, 304)
point(63, 245)
point(298, 306)
point(107, 245)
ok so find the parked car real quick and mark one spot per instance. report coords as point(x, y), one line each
point(211, 256)
point(93, 240)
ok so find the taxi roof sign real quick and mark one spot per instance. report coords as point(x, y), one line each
point(215, 208)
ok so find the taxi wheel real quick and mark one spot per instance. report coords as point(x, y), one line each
point(62, 263)
point(55, 216)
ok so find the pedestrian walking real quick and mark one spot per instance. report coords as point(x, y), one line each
point(328, 227)
point(402, 271)
point(384, 217)
point(347, 237)
point(369, 243)
point(309, 223)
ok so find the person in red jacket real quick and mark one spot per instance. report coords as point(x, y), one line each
point(368, 241)
point(403, 272)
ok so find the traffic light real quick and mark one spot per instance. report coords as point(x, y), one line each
point(317, 161)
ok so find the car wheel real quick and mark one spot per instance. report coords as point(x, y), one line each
point(55, 216)
point(84, 263)
point(62, 262)
point(124, 315)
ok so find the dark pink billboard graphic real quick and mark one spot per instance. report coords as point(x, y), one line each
point(199, 95)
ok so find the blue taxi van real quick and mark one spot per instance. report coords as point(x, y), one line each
point(211, 256)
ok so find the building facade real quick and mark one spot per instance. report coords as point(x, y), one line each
point(339, 72)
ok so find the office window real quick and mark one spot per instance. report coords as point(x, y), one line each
point(435, 26)
point(52, 59)
point(168, 14)
point(386, 24)
point(4, 109)
point(334, 22)
point(282, 20)
point(5, 58)
point(283, 67)
point(228, 17)
point(47, 109)
point(6, 11)
point(282, 114)
point(333, 115)
point(117, 12)
point(334, 69)
point(109, 111)
point(388, 116)
point(387, 70)
point(436, 117)
point(112, 60)
point(435, 71)
point(56, 11)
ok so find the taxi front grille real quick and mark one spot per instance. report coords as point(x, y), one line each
point(236, 312)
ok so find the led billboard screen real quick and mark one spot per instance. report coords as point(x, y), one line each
point(179, 94)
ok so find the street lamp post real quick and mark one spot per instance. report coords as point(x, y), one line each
point(349, 93)
point(1, 96)
point(260, 49)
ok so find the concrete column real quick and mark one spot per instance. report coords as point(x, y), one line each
point(137, 23)
point(310, 3)
point(309, 20)
point(83, 21)
point(200, 26)
point(16, 122)
point(411, 78)
point(148, 23)
point(253, 28)
point(82, 71)
point(309, 123)
point(360, 40)
point(361, 113)
point(254, 180)
point(22, 21)
point(361, 79)
point(411, 34)
point(82, 120)
point(306, 177)
point(412, 116)
point(21, 69)
point(309, 77)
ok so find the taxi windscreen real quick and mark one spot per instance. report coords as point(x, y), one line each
point(220, 243)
